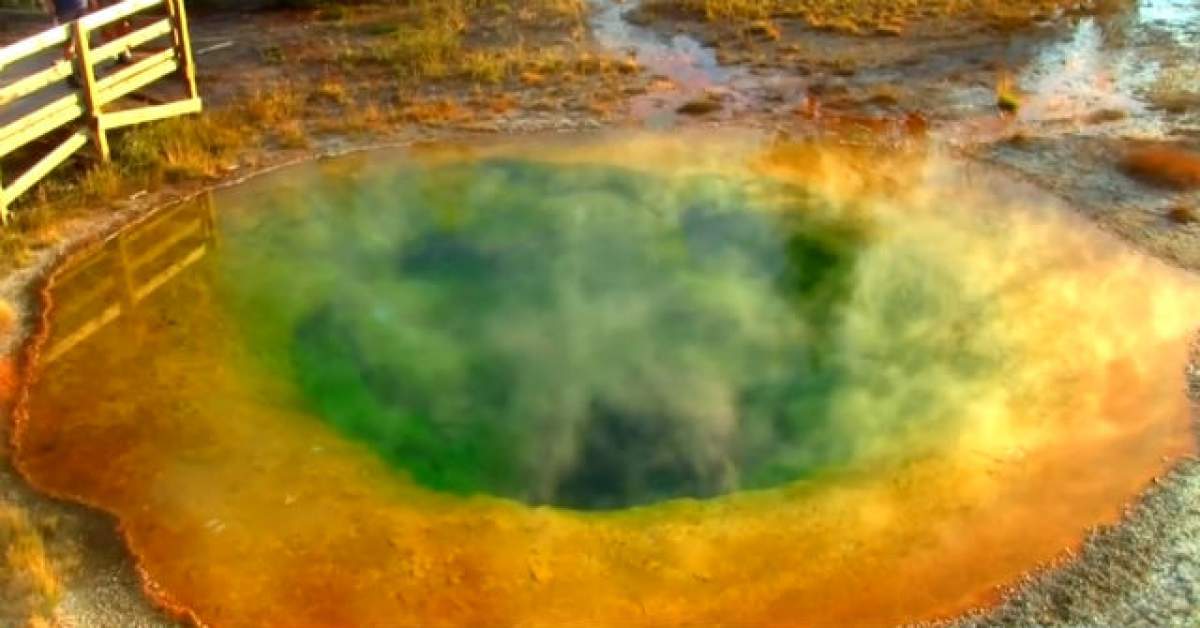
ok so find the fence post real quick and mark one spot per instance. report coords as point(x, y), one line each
point(183, 45)
point(87, 76)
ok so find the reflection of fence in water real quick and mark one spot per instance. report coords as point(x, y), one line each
point(121, 272)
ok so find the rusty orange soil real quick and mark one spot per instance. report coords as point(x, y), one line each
point(8, 381)
point(247, 510)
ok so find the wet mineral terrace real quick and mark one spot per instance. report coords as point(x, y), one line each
point(622, 380)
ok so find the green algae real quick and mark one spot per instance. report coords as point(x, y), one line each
point(589, 336)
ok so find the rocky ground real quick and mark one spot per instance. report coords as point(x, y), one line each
point(1097, 104)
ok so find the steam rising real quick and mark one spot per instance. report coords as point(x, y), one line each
point(596, 337)
point(588, 336)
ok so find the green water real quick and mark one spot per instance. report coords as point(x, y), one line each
point(591, 336)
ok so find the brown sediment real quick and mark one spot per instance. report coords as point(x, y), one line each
point(1182, 214)
point(1164, 165)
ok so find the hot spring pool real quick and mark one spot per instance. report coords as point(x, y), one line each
point(615, 381)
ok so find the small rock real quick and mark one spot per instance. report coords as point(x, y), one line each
point(916, 124)
point(775, 96)
point(727, 57)
point(1182, 214)
point(481, 126)
point(532, 78)
point(764, 29)
point(700, 106)
point(889, 30)
point(1164, 165)
point(1107, 115)
point(638, 18)
point(1018, 139)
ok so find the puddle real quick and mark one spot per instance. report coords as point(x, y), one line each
point(1109, 69)
point(1179, 18)
point(1080, 77)
point(688, 67)
point(678, 56)
point(423, 387)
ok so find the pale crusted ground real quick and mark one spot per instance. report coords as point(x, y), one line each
point(1143, 572)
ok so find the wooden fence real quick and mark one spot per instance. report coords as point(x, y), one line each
point(75, 94)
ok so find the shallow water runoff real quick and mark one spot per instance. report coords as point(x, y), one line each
point(621, 380)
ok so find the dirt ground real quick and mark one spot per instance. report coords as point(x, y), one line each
point(1068, 100)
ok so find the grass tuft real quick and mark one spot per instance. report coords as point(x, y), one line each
point(1176, 90)
point(424, 51)
point(180, 149)
point(29, 585)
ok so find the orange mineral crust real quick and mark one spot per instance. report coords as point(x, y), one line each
point(8, 381)
point(246, 508)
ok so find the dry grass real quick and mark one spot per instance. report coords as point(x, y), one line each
point(267, 107)
point(293, 135)
point(101, 182)
point(179, 149)
point(331, 90)
point(423, 53)
point(1176, 90)
point(1164, 166)
point(438, 39)
point(531, 67)
point(869, 16)
point(366, 119)
point(29, 584)
point(434, 112)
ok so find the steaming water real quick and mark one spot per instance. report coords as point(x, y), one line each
point(893, 388)
point(589, 337)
